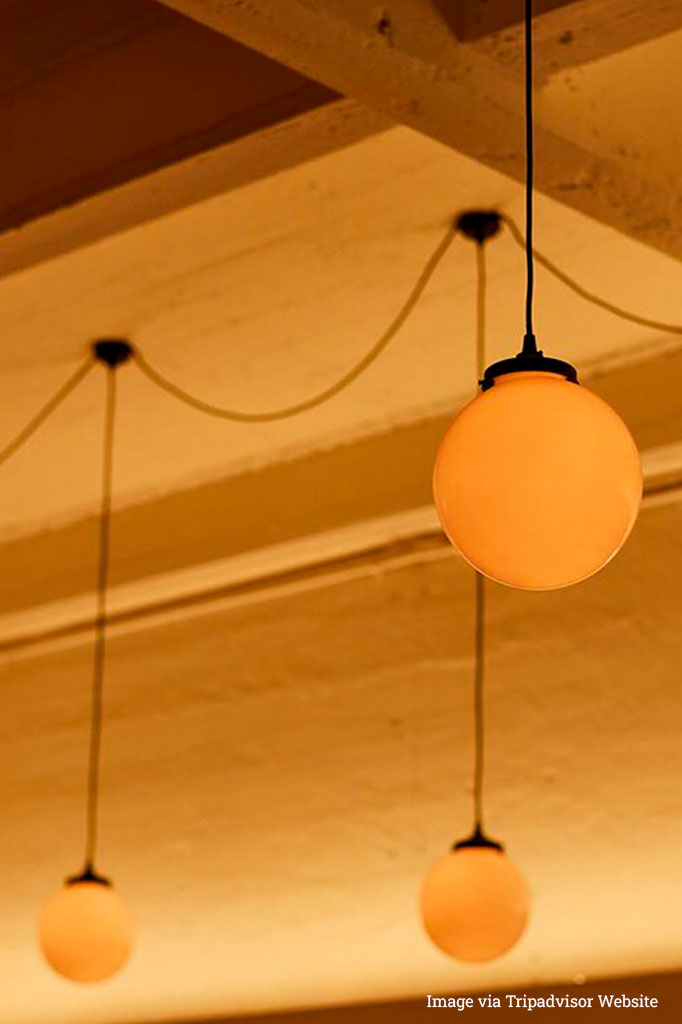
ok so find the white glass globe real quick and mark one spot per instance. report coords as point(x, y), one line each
point(86, 931)
point(474, 904)
point(537, 482)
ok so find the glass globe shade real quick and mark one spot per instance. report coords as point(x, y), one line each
point(537, 482)
point(474, 904)
point(86, 931)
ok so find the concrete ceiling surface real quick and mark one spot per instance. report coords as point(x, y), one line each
point(281, 769)
point(277, 780)
point(265, 294)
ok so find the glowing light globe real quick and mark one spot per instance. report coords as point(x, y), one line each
point(86, 931)
point(474, 903)
point(538, 481)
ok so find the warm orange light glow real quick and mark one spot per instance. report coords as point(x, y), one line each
point(474, 904)
point(538, 482)
point(86, 931)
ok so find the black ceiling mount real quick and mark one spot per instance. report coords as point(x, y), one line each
point(112, 351)
point(479, 225)
point(478, 840)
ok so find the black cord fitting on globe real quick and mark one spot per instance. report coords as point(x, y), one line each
point(478, 839)
point(528, 361)
point(88, 874)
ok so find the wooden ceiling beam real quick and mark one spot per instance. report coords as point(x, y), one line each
point(405, 62)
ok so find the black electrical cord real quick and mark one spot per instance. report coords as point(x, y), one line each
point(245, 417)
point(63, 392)
point(481, 285)
point(479, 579)
point(479, 707)
point(329, 392)
point(99, 650)
point(379, 346)
point(529, 342)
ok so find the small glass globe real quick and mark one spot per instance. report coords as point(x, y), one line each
point(86, 931)
point(474, 904)
point(537, 482)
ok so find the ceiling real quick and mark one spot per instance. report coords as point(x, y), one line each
point(264, 295)
point(288, 720)
point(279, 774)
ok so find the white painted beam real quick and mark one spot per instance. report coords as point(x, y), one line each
point(404, 62)
point(566, 32)
point(317, 561)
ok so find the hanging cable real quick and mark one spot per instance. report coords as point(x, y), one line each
point(561, 275)
point(316, 400)
point(481, 284)
point(334, 389)
point(479, 582)
point(479, 226)
point(479, 709)
point(99, 651)
point(63, 392)
point(529, 343)
point(111, 353)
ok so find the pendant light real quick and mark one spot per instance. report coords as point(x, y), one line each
point(538, 481)
point(86, 929)
point(474, 901)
